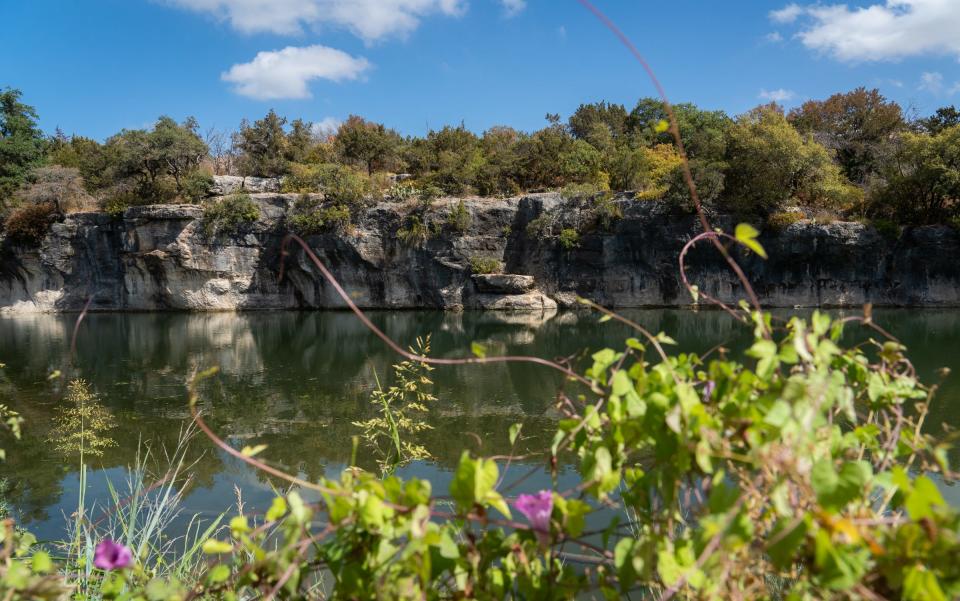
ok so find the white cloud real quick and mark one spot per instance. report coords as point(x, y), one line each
point(285, 73)
point(932, 82)
point(888, 30)
point(513, 7)
point(326, 127)
point(773, 37)
point(787, 14)
point(778, 95)
point(370, 20)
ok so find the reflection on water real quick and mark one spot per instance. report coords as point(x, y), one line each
point(295, 381)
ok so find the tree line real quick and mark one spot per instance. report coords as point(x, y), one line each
point(854, 155)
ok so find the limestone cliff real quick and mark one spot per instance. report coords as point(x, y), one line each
point(158, 257)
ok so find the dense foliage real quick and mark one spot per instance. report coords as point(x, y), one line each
point(799, 470)
point(852, 156)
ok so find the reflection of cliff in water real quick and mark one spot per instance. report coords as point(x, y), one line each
point(296, 380)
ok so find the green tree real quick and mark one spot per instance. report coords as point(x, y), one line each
point(923, 178)
point(22, 144)
point(84, 154)
point(598, 122)
point(498, 172)
point(771, 163)
point(944, 118)
point(450, 159)
point(263, 146)
point(300, 141)
point(154, 164)
point(704, 135)
point(855, 125)
point(177, 148)
point(367, 144)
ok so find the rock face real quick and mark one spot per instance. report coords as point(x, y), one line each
point(158, 257)
point(230, 184)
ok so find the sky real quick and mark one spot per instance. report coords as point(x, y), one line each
point(94, 67)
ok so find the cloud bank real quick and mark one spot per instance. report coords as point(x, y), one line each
point(285, 73)
point(371, 20)
point(891, 30)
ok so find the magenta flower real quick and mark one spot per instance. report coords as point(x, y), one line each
point(537, 509)
point(112, 556)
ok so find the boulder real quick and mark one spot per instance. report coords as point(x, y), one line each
point(230, 184)
point(503, 283)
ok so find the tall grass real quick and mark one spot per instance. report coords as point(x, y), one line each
point(141, 515)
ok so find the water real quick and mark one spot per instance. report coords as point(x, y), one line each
point(295, 381)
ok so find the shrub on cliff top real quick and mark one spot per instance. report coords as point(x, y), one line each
point(229, 214)
point(30, 223)
point(310, 216)
point(781, 220)
point(338, 183)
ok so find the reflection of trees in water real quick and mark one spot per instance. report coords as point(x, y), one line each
point(296, 380)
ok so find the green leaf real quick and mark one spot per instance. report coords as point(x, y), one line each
point(788, 536)
point(478, 349)
point(747, 235)
point(835, 489)
point(277, 509)
point(922, 499)
point(218, 574)
point(42, 562)
point(254, 450)
point(215, 547)
point(299, 511)
point(920, 584)
point(473, 481)
point(515, 432)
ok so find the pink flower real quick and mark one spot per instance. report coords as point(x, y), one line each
point(112, 556)
point(537, 509)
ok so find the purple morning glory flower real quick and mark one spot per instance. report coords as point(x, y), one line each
point(537, 509)
point(110, 555)
point(708, 389)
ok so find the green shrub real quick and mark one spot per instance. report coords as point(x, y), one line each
point(310, 216)
point(887, 228)
point(541, 226)
point(229, 214)
point(114, 205)
point(579, 191)
point(402, 191)
point(339, 184)
point(569, 238)
point(781, 220)
point(605, 211)
point(415, 233)
point(197, 185)
point(29, 224)
point(485, 265)
point(429, 193)
point(459, 218)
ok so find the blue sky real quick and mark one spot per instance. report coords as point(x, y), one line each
point(93, 67)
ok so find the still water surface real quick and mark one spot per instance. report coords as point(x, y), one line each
point(295, 382)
